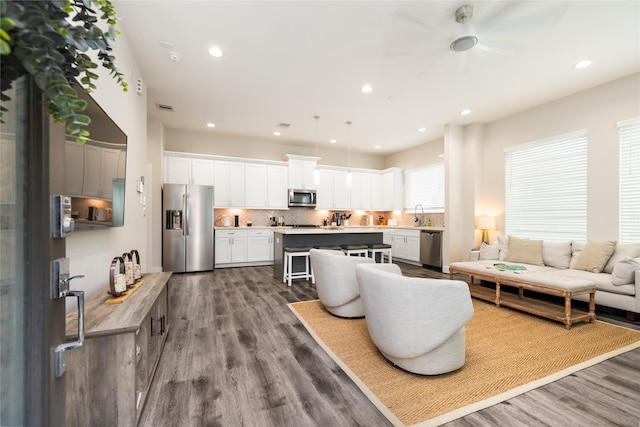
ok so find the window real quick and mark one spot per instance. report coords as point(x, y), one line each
point(546, 189)
point(629, 132)
point(425, 186)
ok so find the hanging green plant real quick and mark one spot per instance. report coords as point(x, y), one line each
point(49, 40)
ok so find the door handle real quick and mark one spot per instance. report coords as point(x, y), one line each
point(60, 364)
point(60, 289)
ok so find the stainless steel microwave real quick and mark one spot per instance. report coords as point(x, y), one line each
point(305, 198)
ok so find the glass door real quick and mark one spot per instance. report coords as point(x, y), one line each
point(31, 321)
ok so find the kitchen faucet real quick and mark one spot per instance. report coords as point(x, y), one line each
point(415, 218)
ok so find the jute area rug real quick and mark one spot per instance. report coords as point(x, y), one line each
point(508, 353)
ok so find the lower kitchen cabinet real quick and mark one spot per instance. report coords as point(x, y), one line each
point(230, 246)
point(406, 245)
point(243, 247)
point(107, 379)
point(259, 246)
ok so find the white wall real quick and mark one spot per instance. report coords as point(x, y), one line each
point(238, 146)
point(478, 154)
point(597, 110)
point(91, 251)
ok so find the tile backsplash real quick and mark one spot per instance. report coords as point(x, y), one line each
point(260, 217)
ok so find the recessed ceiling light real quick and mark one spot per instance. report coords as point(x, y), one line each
point(422, 129)
point(583, 64)
point(366, 88)
point(276, 133)
point(333, 141)
point(215, 51)
point(211, 125)
point(378, 147)
point(465, 112)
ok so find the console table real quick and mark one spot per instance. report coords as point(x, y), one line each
point(109, 376)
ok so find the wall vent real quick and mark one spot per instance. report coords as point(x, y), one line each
point(164, 107)
point(283, 125)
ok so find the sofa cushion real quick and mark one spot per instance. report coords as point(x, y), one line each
point(576, 250)
point(602, 281)
point(595, 255)
point(624, 272)
point(525, 251)
point(488, 252)
point(556, 255)
point(630, 250)
point(503, 248)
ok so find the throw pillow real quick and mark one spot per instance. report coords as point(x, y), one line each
point(630, 250)
point(624, 272)
point(488, 251)
point(556, 255)
point(595, 255)
point(576, 250)
point(503, 248)
point(525, 251)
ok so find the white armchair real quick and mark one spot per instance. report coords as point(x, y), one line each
point(416, 323)
point(336, 283)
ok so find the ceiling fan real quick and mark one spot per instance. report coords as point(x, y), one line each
point(450, 35)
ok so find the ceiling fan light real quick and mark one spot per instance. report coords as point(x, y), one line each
point(463, 43)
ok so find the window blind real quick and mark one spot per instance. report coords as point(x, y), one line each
point(425, 186)
point(546, 189)
point(629, 208)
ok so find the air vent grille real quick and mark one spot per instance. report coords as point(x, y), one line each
point(283, 125)
point(164, 107)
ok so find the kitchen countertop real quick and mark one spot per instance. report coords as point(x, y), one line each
point(322, 230)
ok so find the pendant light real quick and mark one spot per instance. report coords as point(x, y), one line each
point(316, 171)
point(349, 178)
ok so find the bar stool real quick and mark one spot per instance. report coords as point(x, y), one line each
point(288, 275)
point(328, 248)
point(359, 250)
point(382, 249)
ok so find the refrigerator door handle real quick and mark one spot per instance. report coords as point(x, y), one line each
point(185, 209)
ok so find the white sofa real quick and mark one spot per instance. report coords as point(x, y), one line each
point(417, 324)
point(616, 275)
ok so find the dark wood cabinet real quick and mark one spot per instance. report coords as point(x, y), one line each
point(109, 376)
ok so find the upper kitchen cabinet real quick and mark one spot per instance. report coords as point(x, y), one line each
point(301, 171)
point(361, 191)
point(229, 184)
point(101, 163)
point(392, 189)
point(333, 192)
point(266, 186)
point(187, 170)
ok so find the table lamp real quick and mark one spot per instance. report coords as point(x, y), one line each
point(486, 223)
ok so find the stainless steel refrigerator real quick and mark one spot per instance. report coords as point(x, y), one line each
point(187, 235)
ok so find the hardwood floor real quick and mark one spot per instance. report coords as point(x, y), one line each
point(237, 356)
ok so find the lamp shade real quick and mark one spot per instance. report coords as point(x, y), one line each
point(486, 223)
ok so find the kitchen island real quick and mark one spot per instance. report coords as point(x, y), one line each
point(312, 237)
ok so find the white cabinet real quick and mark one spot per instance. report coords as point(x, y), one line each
point(229, 184)
point(259, 246)
point(361, 191)
point(392, 189)
point(377, 203)
point(333, 192)
point(406, 245)
point(100, 167)
point(301, 172)
point(186, 170)
point(265, 186)
point(230, 246)
point(73, 175)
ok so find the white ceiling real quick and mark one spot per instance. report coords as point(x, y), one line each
point(287, 61)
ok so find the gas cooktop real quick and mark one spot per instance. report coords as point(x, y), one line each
point(304, 226)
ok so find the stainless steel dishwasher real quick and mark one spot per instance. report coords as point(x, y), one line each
point(431, 248)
